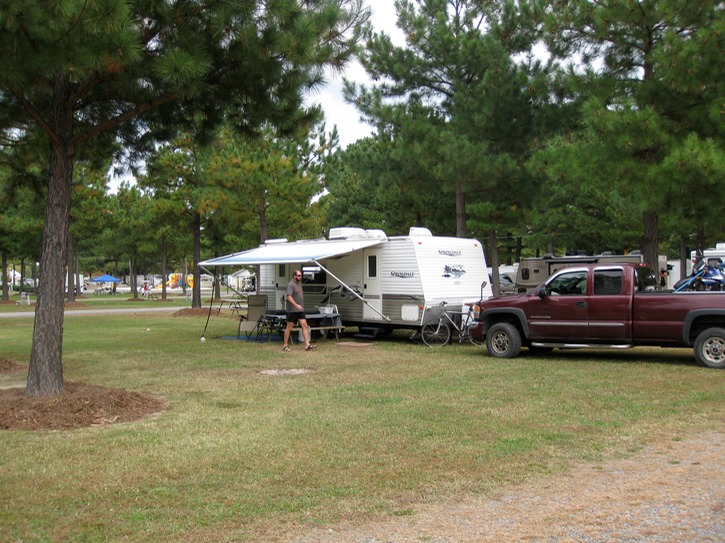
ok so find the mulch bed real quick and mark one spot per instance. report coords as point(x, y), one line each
point(80, 406)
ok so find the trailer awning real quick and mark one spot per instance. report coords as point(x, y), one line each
point(292, 252)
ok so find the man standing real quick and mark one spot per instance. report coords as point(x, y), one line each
point(296, 311)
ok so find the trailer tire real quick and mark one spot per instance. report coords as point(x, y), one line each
point(710, 348)
point(503, 340)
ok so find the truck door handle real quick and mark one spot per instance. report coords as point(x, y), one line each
point(581, 304)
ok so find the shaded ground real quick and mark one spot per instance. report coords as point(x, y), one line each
point(81, 405)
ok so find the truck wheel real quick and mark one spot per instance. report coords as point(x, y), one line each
point(710, 348)
point(503, 340)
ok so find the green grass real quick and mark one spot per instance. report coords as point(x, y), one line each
point(242, 456)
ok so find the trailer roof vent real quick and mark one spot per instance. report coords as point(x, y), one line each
point(273, 241)
point(346, 232)
point(376, 233)
point(418, 231)
point(720, 246)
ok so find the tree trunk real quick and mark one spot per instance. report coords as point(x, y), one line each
point(6, 292)
point(700, 239)
point(461, 230)
point(262, 211)
point(134, 281)
point(71, 271)
point(217, 284)
point(650, 242)
point(45, 372)
point(196, 291)
point(493, 253)
point(684, 256)
point(164, 271)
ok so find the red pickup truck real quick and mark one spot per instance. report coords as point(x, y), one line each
point(602, 306)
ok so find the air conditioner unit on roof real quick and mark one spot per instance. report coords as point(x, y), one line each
point(347, 232)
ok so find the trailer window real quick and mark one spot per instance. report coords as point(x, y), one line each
point(607, 282)
point(313, 275)
point(372, 266)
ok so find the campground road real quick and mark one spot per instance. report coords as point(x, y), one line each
point(73, 312)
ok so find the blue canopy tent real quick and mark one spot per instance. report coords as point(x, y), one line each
point(105, 278)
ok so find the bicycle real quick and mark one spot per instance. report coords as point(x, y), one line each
point(437, 333)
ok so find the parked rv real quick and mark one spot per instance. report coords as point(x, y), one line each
point(533, 271)
point(377, 282)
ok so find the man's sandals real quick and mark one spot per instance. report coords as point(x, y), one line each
point(310, 347)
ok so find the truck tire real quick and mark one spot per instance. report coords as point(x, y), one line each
point(710, 348)
point(503, 340)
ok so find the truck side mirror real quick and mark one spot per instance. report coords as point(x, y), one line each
point(541, 292)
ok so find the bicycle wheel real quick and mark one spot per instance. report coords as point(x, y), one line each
point(435, 334)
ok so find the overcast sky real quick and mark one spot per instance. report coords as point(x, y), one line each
point(337, 112)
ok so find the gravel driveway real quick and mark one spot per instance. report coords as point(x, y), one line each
point(672, 491)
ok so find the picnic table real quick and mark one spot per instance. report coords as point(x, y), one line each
point(324, 323)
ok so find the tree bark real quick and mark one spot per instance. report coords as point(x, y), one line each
point(71, 294)
point(684, 256)
point(6, 292)
point(164, 270)
point(493, 253)
point(461, 229)
point(650, 242)
point(45, 372)
point(196, 291)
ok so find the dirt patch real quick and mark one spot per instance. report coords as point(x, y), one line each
point(80, 406)
point(10, 366)
point(289, 371)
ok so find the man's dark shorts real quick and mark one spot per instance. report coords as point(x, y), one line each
point(295, 317)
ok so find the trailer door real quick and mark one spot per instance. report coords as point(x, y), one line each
point(371, 285)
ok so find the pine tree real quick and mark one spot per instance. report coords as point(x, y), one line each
point(106, 71)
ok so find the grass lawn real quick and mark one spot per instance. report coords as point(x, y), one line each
point(373, 430)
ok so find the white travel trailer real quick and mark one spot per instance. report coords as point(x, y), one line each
point(377, 282)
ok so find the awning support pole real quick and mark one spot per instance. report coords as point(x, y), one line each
point(363, 300)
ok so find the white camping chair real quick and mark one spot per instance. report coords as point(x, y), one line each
point(252, 321)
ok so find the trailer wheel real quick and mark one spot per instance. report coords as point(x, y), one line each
point(503, 340)
point(435, 333)
point(710, 348)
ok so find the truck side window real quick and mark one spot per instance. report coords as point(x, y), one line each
point(607, 282)
point(568, 284)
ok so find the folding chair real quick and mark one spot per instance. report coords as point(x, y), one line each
point(251, 322)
